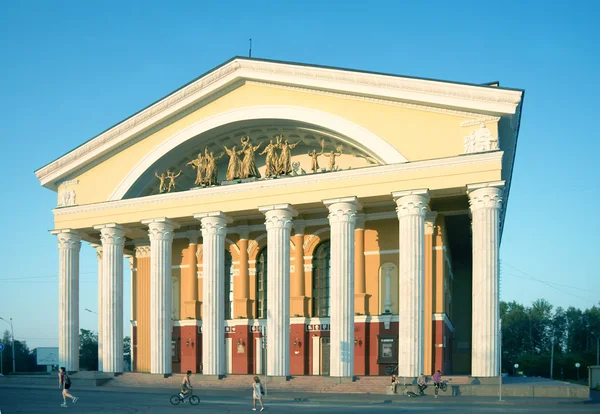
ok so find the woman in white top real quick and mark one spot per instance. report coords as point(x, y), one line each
point(257, 392)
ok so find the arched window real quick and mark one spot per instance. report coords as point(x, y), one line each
point(228, 281)
point(261, 284)
point(320, 280)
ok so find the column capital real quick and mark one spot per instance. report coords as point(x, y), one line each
point(142, 250)
point(361, 220)
point(342, 209)
point(430, 218)
point(278, 215)
point(485, 195)
point(67, 239)
point(193, 236)
point(160, 228)
point(111, 233)
point(243, 232)
point(411, 203)
point(299, 227)
point(213, 223)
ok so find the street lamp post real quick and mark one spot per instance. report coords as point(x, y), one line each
point(577, 365)
point(515, 371)
point(12, 333)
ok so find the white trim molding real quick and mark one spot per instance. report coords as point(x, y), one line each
point(358, 135)
point(238, 70)
point(372, 172)
point(443, 317)
point(381, 252)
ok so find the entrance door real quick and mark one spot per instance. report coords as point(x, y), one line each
point(325, 358)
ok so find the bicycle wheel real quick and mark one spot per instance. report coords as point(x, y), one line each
point(389, 370)
point(444, 386)
point(175, 399)
point(194, 400)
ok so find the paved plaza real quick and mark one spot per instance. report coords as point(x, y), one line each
point(30, 401)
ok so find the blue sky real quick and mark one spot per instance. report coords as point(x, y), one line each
point(71, 69)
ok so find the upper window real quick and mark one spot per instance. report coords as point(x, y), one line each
point(320, 280)
point(228, 280)
point(261, 284)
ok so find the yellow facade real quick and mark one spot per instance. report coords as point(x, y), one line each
point(425, 125)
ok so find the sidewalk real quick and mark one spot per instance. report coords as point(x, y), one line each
point(324, 398)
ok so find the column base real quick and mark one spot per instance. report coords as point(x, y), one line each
point(299, 306)
point(191, 309)
point(242, 308)
point(361, 304)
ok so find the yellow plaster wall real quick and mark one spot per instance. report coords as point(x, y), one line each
point(298, 194)
point(417, 134)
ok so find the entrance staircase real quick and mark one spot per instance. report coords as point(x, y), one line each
point(309, 384)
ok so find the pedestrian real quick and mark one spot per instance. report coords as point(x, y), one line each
point(186, 385)
point(64, 383)
point(394, 384)
point(421, 384)
point(437, 379)
point(257, 393)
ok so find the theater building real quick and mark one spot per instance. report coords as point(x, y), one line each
point(292, 219)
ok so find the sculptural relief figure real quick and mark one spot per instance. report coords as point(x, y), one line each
point(172, 176)
point(234, 168)
point(271, 159)
point(248, 163)
point(210, 175)
point(480, 140)
point(332, 154)
point(314, 157)
point(200, 165)
point(162, 188)
point(285, 164)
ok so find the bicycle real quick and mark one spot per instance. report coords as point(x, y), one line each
point(391, 369)
point(440, 386)
point(176, 399)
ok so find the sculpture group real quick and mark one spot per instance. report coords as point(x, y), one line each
point(242, 164)
point(167, 180)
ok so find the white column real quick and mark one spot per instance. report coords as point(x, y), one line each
point(69, 245)
point(99, 257)
point(213, 307)
point(486, 202)
point(111, 314)
point(160, 231)
point(132, 301)
point(342, 219)
point(412, 208)
point(278, 220)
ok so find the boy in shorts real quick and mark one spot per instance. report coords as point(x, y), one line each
point(186, 386)
point(64, 383)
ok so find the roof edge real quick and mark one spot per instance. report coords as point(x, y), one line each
point(252, 68)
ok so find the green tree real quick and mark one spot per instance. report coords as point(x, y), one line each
point(127, 353)
point(88, 350)
point(24, 357)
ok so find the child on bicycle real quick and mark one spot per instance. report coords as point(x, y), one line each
point(437, 380)
point(186, 386)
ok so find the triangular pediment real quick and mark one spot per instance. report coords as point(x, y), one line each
point(476, 102)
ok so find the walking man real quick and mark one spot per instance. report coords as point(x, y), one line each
point(64, 383)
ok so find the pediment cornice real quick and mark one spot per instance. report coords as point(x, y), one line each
point(474, 98)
